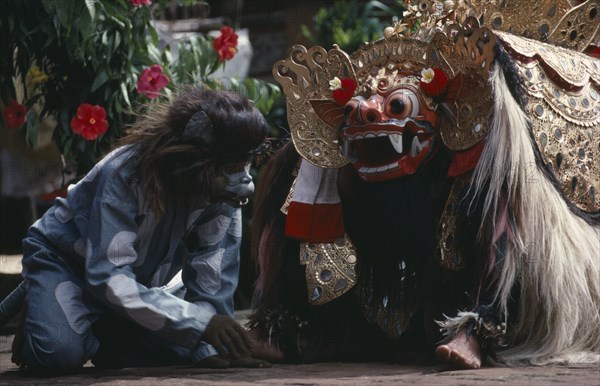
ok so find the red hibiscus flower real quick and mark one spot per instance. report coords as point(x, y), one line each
point(90, 121)
point(137, 3)
point(433, 81)
point(226, 43)
point(14, 115)
point(343, 90)
point(152, 81)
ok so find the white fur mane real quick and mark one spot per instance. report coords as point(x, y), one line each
point(554, 256)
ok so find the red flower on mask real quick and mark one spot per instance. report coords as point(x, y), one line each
point(433, 81)
point(14, 115)
point(152, 81)
point(90, 121)
point(226, 43)
point(343, 90)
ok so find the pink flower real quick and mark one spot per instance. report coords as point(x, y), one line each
point(14, 115)
point(137, 3)
point(90, 121)
point(152, 81)
point(226, 43)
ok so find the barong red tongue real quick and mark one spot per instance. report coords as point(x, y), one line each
point(315, 211)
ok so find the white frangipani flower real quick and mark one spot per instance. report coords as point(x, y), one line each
point(427, 75)
point(335, 83)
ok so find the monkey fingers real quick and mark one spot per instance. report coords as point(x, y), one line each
point(234, 343)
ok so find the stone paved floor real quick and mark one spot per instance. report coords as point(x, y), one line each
point(352, 374)
point(379, 373)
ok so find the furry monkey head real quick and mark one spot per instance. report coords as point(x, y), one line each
point(198, 144)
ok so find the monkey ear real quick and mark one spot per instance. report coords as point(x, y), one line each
point(199, 129)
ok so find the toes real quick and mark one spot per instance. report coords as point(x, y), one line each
point(443, 353)
point(456, 358)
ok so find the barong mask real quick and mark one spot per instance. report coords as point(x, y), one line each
point(377, 109)
point(389, 126)
point(392, 131)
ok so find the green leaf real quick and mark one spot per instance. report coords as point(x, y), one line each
point(154, 35)
point(90, 4)
point(168, 56)
point(81, 146)
point(120, 23)
point(111, 49)
point(153, 54)
point(63, 10)
point(117, 41)
point(33, 126)
point(101, 78)
point(125, 95)
point(67, 146)
point(33, 100)
point(64, 120)
point(11, 23)
point(372, 6)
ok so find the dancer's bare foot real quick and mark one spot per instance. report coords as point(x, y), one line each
point(462, 351)
point(263, 350)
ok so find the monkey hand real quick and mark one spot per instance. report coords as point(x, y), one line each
point(228, 337)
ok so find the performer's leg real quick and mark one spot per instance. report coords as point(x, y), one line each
point(124, 343)
point(57, 332)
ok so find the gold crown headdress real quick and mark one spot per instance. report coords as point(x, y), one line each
point(466, 52)
point(567, 23)
point(315, 120)
point(562, 86)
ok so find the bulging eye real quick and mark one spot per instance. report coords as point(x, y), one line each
point(402, 103)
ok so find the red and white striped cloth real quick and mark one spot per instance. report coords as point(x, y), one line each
point(315, 211)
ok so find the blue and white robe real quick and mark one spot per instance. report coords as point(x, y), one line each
point(101, 250)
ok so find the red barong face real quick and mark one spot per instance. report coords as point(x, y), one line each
point(389, 134)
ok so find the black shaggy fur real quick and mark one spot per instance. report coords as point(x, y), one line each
point(393, 225)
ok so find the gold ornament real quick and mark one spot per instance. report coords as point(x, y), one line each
point(465, 52)
point(556, 22)
point(450, 249)
point(330, 269)
point(563, 89)
point(304, 76)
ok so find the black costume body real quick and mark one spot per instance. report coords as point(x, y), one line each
point(401, 289)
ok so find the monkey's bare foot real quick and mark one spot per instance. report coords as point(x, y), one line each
point(462, 351)
point(263, 350)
